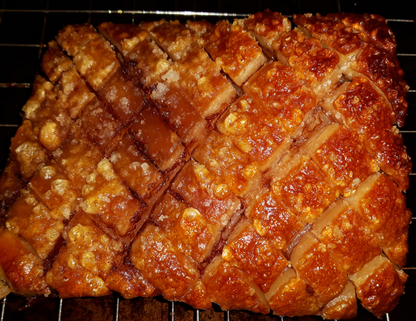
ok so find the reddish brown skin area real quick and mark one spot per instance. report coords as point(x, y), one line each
point(364, 108)
point(259, 260)
point(277, 88)
point(77, 156)
point(124, 90)
point(129, 282)
point(233, 46)
point(163, 265)
point(266, 23)
point(384, 209)
point(350, 241)
point(279, 222)
point(386, 73)
point(325, 275)
point(382, 290)
point(201, 196)
point(260, 130)
point(126, 154)
point(306, 190)
point(15, 256)
point(310, 60)
point(294, 299)
point(350, 156)
point(228, 288)
point(331, 31)
point(152, 136)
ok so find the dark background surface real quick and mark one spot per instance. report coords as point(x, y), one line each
point(26, 27)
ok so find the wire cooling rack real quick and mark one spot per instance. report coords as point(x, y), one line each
point(26, 27)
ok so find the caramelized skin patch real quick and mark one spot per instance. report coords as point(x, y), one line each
point(340, 155)
point(266, 26)
point(33, 221)
point(71, 279)
point(207, 193)
point(198, 297)
point(136, 170)
point(256, 256)
point(96, 61)
point(125, 37)
point(385, 72)
point(382, 206)
point(372, 29)
point(201, 79)
point(73, 93)
point(313, 263)
point(234, 50)
point(174, 38)
point(367, 47)
point(172, 272)
point(53, 188)
point(397, 252)
point(106, 196)
point(26, 150)
point(177, 111)
point(304, 188)
point(347, 237)
point(310, 60)
point(129, 282)
point(55, 62)
point(101, 128)
point(21, 266)
point(364, 110)
point(379, 279)
point(187, 228)
point(292, 296)
point(91, 246)
point(331, 31)
point(156, 140)
point(277, 88)
point(147, 63)
point(73, 37)
point(77, 158)
point(229, 288)
point(122, 97)
point(220, 156)
point(273, 220)
point(254, 131)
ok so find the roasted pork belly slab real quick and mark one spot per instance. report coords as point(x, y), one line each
point(246, 164)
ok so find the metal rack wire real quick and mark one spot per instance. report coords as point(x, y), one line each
point(9, 121)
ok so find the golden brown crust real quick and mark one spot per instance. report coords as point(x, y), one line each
point(233, 49)
point(254, 131)
point(347, 238)
point(134, 171)
point(277, 88)
point(310, 60)
point(260, 261)
point(22, 268)
point(266, 26)
point(312, 261)
point(292, 296)
point(229, 288)
point(303, 187)
point(379, 286)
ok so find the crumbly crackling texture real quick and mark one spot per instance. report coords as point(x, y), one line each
point(248, 164)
